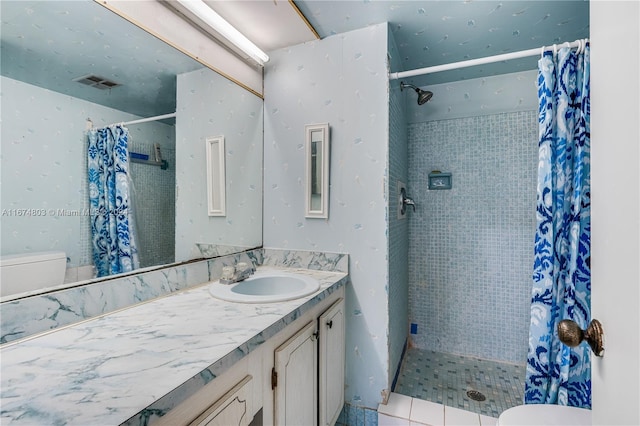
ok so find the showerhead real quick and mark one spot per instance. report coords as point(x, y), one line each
point(423, 95)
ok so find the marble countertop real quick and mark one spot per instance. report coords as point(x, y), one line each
point(111, 369)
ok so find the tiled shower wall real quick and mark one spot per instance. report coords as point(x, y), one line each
point(154, 202)
point(471, 248)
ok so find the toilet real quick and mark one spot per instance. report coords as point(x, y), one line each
point(20, 273)
point(545, 414)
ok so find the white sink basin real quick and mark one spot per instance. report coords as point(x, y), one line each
point(265, 287)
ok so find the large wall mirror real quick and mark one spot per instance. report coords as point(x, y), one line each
point(70, 65)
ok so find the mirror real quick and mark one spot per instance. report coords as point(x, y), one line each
point(317, 170)
point(64, 62)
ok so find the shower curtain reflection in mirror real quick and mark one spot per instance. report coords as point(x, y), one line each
point(111, 212)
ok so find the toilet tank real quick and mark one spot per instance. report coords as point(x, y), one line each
point(31, 271)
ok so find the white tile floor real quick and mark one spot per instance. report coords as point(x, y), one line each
point(402, 410)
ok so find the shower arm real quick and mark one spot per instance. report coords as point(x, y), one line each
point(404, 85)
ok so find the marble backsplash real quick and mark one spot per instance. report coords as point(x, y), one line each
point(36, 314)
point(334, 262)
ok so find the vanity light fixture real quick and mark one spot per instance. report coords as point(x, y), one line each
point(210, 20)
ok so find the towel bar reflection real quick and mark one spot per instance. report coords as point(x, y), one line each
point(144, 159)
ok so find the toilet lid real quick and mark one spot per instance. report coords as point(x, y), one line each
point(545, 414)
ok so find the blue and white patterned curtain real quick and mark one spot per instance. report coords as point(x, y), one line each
point(557, 374)
point(114, 247)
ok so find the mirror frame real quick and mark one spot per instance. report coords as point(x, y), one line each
point(309, 130)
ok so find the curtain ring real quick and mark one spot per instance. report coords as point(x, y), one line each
point(542, 52)
point(555, 50)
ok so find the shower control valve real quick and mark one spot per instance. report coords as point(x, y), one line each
point(406, 201)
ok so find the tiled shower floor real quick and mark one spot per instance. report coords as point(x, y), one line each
point(446, 378)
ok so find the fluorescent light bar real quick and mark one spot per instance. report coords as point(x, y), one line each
point(225, 29)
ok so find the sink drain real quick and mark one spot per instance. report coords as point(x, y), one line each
point(476, 395)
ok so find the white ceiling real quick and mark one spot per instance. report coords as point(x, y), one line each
point(270, 24)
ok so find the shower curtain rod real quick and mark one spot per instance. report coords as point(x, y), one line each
point(482, 61)
point(143, 120)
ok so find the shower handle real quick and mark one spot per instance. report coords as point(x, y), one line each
point(406, 201)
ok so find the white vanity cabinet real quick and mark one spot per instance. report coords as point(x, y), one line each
point(308, 375)
point(231, 399)
point(230, 410)
point(331, 363)
point(295, 378)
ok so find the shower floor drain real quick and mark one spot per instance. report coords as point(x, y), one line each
point(476, 395)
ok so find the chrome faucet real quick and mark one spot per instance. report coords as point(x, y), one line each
point(234, 274)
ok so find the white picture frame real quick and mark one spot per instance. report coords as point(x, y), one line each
point(216, 176)
point(317, 158)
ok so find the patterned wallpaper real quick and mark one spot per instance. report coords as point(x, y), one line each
point(341, 80)
point(43, 160)
point(439, 32)
point(471, 98)
point(210, 105)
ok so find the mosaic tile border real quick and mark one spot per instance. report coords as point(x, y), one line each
point(352, 415)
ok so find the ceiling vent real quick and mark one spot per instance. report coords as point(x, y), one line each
point(97, 82)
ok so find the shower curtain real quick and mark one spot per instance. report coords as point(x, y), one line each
point(113, 236)
point(557, 374)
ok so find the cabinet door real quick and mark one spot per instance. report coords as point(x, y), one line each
point(331, 363)
point(230, 410)
point(295, 379)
